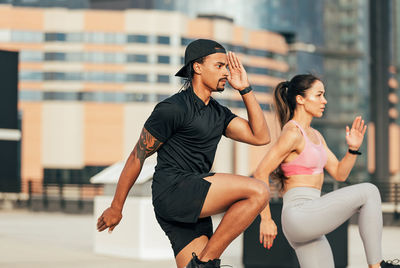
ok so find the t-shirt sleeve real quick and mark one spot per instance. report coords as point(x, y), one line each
point(164, 121)
point(228, 117)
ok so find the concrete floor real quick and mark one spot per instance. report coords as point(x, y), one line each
point(37, 239)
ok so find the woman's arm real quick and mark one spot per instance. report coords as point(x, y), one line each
point(340, 170)
point(287, 142)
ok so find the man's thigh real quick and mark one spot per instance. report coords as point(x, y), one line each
point(181, 234)
point(227, 189)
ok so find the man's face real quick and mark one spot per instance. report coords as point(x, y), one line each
point(214, 71)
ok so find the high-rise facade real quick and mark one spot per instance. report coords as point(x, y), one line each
point(88, 79)
point(346, 76)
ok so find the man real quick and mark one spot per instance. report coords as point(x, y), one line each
point(185, 130)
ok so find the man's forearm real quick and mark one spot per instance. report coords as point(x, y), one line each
point(126, 180)
point(146, 146)
point(256, 117)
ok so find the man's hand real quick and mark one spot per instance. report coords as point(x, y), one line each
point(268, 231)
point(109, 219)
point(237, 77)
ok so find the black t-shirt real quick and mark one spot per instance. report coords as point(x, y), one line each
point(190, 132)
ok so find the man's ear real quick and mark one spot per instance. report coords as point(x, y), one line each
point(197, 68)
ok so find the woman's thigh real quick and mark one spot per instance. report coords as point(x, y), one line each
point(317, 217)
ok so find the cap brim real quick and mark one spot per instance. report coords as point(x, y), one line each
point(182, 72)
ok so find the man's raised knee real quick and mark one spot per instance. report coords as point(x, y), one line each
point(261, 192)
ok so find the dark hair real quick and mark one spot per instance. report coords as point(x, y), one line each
point(285, 103)
point(187, 81)
point(285, 95)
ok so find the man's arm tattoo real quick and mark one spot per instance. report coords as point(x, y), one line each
point(146, 146)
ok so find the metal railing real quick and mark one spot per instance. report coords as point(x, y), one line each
point(61, 193)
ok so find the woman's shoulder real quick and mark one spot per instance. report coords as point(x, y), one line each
point(291, 129)
point(291, 133)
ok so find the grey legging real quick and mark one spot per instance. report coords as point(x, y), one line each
point(307, 217)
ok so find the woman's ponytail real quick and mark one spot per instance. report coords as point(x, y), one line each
point(282, 107)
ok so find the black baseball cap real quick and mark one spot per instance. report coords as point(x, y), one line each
point(197, 49)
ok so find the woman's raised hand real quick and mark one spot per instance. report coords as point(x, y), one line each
point(355, 135)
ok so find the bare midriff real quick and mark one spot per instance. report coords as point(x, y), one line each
point(313, 181)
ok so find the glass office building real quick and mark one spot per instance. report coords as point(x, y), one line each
point(326, 38)
point(89, 78)
point(345, 52)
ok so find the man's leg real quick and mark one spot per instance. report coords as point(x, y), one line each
point(185, 255)
point(242, 198)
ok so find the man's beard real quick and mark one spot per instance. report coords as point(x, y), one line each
point(220, 89)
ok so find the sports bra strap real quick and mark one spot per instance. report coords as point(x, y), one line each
point(305, 134)
point(301, 129)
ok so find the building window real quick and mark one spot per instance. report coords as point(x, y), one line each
point(262, 88)
point(186, 41)
point(110, 38)
point(54, 56)
point(65, 96)
point(74, 37)
point(94, 57)
point(137, 78)
point(164, 40)
point(55, 37)
point(137, 58)
point(30, 95)
point(73, 57)
point(259, 53)
point(30, 37)
point(238, 49)
point(95, 77)
point(163, 59)
point(137, 38)
point(70, 176)
point(257, 70)
point(98, 38)
point(62, 76)
point(161, 78)
point(30, 56)
point(30, 76)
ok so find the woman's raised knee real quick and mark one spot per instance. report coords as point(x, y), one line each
point(370, 190)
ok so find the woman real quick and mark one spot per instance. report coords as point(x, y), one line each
point(298, 159)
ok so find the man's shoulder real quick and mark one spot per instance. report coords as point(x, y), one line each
point(178, 98)
point(218, 104)
point(176, 102)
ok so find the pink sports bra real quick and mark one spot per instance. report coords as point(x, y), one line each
point(310, 161)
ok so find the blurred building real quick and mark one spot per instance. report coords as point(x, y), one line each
point(394, 94)
point(88, 79)
point(326, 38)
point(346, 75)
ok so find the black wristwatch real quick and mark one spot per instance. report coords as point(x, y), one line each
point(245, 91)
point(354, 152)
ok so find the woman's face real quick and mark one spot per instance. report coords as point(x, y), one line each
point(314, 101)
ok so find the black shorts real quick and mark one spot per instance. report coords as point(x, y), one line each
point(180, 234)
point(178, 209)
